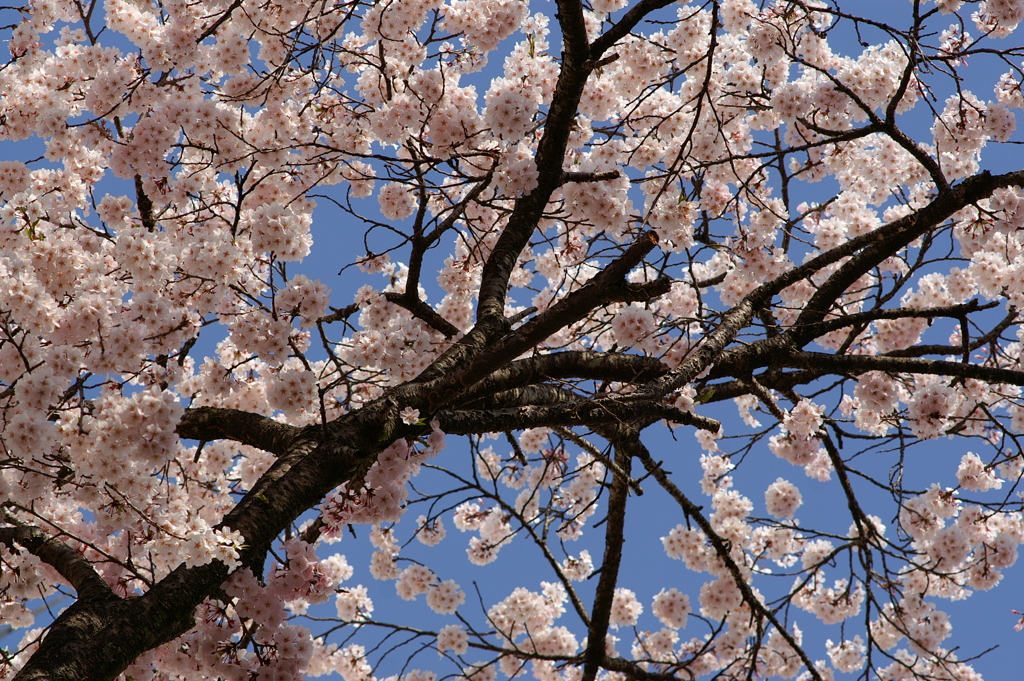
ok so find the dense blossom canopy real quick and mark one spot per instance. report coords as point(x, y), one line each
point(574, 225)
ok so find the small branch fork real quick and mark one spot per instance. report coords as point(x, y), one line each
point(865, 527)
point(722, 550)
point(589, 448)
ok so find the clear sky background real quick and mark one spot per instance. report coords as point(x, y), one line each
point(980, 622)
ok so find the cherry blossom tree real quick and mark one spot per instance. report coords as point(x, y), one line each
point(578, 225)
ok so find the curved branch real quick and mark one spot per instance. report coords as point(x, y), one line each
point(70, 564)
point(588, 447)
point(991, 336)
point(867, 250)
point(207, 424)
point(224, 16)
point(954, 311)
point(626, 24)
point(410, 300)
point(419, 309)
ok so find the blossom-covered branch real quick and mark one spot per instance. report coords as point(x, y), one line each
point(552, 242)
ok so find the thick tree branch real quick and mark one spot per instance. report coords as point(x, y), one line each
point(536, 394)
point(626, 442)
point(419, 309)
point(592, 413)
point(734, 321)
point(99, 639)
point(339, 315)
point(570, 176)
point(70, 564)
point(580, 364)
point(550, 159)
point(145, 206)
point(208, 424)
point(881, 243)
